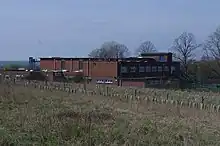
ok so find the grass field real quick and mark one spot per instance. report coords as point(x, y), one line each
point(35, 117)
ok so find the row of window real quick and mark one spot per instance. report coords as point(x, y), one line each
point(63, 64)
point(142, 69)
point(155, 82)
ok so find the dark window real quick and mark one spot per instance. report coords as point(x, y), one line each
point(80, 64)
point(62, 64)
point(148, 68)
point(166, 68)
point(141, 69)
point(160, 68)
point(133, 69)
point(124, 69)
point(154, 68)
point(155, 82)
point(173, 69)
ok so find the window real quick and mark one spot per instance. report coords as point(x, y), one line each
point(166, 68)
point(152, 82)
point(133, 69)
point(155, 82)
point(62, 64)
point(80, 64)
point(141, 69)
point(173, 69)
point(148, 68)
point(160, 68)
point(163, 58)
point(154, 68)
point(124, 69)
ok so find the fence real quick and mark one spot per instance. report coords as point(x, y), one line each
point(143, 96)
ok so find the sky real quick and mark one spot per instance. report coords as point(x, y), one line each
point(70, 28)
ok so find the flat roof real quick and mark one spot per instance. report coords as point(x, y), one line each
point(111, 59)
point(99, 59)
point(130, 59)
point(155, 53)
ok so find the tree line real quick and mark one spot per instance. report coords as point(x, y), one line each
point(184, 49)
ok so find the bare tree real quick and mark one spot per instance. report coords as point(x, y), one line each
point(94, 53)
point(183, 49)
point(212, 50)
point(146, 47)
point(205, 57)
point(110, 50)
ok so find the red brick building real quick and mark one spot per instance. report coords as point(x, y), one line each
point(137, 69)
point(91, 67)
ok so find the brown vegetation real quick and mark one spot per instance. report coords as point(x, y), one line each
point(31, 115)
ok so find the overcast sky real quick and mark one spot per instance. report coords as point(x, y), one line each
point(75, 27)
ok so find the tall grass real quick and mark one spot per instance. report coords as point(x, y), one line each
point(36, 117)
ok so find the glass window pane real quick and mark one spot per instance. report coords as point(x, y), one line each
point(148, 68)
point(159, 68)
point(141, 69)
point(133, 69)
point(166, 68)
point(124, 69)
point(154, 68)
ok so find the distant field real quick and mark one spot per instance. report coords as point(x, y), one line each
point(2, 63)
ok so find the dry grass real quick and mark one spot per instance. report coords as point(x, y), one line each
point(184, 95)
point(34, 117)
point(177, 95)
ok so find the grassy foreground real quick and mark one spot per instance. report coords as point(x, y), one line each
point(34, 117)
